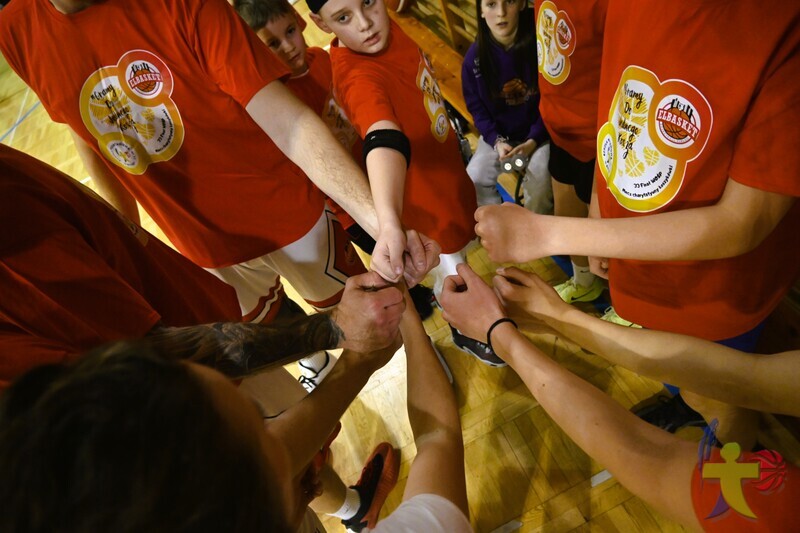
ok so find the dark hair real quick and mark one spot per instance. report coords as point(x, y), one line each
point(523, 49)
point(127, 441)
point(257, 13)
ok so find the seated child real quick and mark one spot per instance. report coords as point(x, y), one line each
point(498, 79)
point(386, 87)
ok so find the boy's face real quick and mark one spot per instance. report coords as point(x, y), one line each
point(361, 25)
point(283, 36)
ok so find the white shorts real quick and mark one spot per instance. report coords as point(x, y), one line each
point(317, 265)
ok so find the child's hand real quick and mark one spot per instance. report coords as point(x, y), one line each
point(502, 148)
point(512, 234)
point(527, 148)
point(387, 257)
point(422, 255)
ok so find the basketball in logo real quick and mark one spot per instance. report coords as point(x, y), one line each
point(772, 470)
point(673, 129)
point(144, 79)
point(678, 122)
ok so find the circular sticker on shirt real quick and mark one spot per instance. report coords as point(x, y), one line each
point(654, 130)
point(555, 43)
point(128, 108)
point(432, 100)
point(144, 79)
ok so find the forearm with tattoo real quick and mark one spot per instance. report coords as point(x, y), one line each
point(237, 349)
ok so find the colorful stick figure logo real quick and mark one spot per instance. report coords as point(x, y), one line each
point(765, 470)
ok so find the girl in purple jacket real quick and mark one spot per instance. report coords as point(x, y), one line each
point(499, 84)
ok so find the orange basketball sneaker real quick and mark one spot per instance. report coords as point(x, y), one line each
point(377, 480)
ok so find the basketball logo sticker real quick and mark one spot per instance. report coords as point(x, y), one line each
point(144, 79)
point(128, 108)
point(432, 100)
point(555, 43)
point(654, 130)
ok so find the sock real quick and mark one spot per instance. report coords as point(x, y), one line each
point(582, 275)
point(315, 361)
point(352, 501)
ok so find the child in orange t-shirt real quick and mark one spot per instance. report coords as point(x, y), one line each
point(386, 87)
point(280, 27)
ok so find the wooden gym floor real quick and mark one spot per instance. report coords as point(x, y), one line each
point(523, 473)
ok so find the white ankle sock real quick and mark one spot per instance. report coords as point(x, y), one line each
point(349, 508)
point(315, 361)
point(582, 275)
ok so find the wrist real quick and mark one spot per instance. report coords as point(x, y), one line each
point(389, 223)
point(503, 338)
point(549, 231)
point(499, 323)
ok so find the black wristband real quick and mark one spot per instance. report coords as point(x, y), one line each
point(491, 328)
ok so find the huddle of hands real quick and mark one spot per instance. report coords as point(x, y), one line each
point(372, 305)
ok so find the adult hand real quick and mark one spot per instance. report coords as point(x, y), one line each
point(387, 257)
point(510, 233)
point(369, 313)
point(599, 266)
point(422, 256)
point(524, 292)
point(469, 304)
point(502, 148)
point(527, 148)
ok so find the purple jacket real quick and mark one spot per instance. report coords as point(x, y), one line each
point(515, 115)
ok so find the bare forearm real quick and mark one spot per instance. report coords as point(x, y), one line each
point(739, 222)
point(612, 435)
point(303, 137)
point(237, 349)
point(325, 406)
point(433, 414)
point(763, 383)
point(387, 177)
point(386, 169)
point(432, 404)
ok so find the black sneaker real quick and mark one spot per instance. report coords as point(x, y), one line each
point(423, 300)
point(477, 349)
point(378, 478)
point(670, 414)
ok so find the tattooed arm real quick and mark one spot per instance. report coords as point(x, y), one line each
point(237, 349)
point(365, 320)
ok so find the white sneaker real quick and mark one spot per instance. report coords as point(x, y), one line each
point(311, 378)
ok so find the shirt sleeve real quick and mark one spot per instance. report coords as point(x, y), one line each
point(364, 100)
point(765, 155)
point(80, 304)
point(232, 53)
point(484, 122)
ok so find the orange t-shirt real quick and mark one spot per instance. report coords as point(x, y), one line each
point(771, 497)
point(159, 90)
point(398, 85)
point(77, 274)
point(696, 99)
point(569, 40)
point(314, 88)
